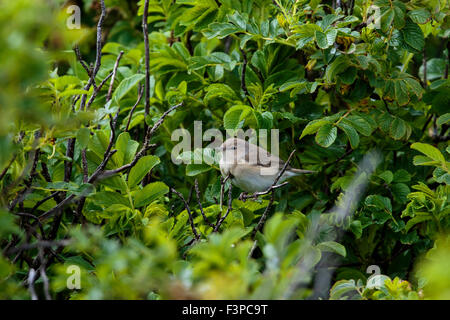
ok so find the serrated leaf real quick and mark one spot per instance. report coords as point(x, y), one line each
point(331, 246)
point(326, 135)
point(420, 16)
point(235, 117)
point(444, 119)
point(429, 151)
point(321, 39)
point(397, 129)
point(387, 176)
point(195, 169)
point(351, 134)
point(413, 35)
point(150, 193)
point(83, 136)
point(360, 124)
point(142, 167)
point(313, 126)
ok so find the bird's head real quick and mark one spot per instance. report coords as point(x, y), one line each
point(234, 149)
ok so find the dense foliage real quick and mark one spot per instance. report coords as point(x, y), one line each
point(87, 181)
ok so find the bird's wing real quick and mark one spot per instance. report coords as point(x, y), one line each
point(263, 158)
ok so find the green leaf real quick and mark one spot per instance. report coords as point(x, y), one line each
point(219, 90)
point(126, 149)
point(387, 176)
point(400, 191)
point(413, 35)
point(418, 219)
point(126, 85)
point(326, 135)
point(150, 193)
point(379, 202)
point(351, 133)
point(444, 119)
point(83, 136)
point(264, 120)
point(397, 129)
point(235, 117)
point(360, 124)
point(331, 246)
point(420, 16)
point(313, 126)
point(429, 151)
point(402, 176)
point(142, 167)
point(321, 39)
point(109, 198)
point(195, 169)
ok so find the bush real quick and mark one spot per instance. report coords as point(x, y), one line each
point(89, 188)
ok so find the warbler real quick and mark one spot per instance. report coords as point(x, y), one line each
point(252, 168)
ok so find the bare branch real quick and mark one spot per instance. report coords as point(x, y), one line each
point(222, 219)
point(147, 58)
point(244, 70)
point(113, 77)
point(186, 205)
point(98, 55)
point(140, 92)
point(145, 146)
point(197, 191)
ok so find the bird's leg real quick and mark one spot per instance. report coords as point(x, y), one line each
point(243, 196)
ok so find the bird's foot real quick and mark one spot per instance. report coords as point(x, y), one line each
point(243, 196)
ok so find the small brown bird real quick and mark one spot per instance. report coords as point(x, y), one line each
point(252, 168)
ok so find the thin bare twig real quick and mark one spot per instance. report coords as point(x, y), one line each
point(100, 172)
point(147, 58)
point(76, 49)
point(197, 191)
point(140, 92)
point(113, 77)
point(244, 70)
point(186, 205)
point(98, 55)
point(230, 201)
point(144, 147)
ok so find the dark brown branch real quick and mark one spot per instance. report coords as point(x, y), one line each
point(76, 49)
point(230, 201)
point(140, 92)
point(197, 192)
point(108, 152)
point(191, 220)
point(41, 202)
point(68, 164)
point(145, 146)
point(243, 85)
point(113, 77)
point(97, 90)
point(84, 165)
point(147, 59)
point(100, 172)
point(7, 167)
point(98, 55)
point(40, 244)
